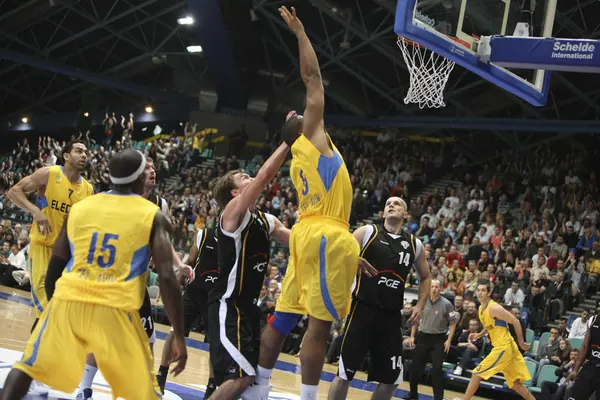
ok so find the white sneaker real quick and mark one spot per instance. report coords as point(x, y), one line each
point(458, 371)
point(264, 391)
point(39, 389)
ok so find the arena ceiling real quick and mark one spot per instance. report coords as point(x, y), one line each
point(59, 55)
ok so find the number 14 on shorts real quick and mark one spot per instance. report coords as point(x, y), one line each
point(397, 362)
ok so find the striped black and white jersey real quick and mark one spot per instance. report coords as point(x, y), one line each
point(243, 259)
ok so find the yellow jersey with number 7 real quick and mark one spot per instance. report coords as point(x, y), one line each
point(60, 194)
point(109, 236)
point(323, 183)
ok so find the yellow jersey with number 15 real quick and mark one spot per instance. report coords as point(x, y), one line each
point(60, 194)
point(109, 236)
point(497, 329)
point(323, 183)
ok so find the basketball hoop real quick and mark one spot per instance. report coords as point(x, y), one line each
point(429, 73)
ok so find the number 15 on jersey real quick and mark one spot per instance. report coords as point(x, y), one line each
point(107, 259)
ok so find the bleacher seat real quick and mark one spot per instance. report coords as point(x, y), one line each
point(529, 336)
point(532, 367)
point(547, 374)
point(576, 343)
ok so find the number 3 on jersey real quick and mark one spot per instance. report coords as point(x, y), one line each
point(304, 183)
point(103, 260)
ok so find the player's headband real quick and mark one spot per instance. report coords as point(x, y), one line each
point(131, 178)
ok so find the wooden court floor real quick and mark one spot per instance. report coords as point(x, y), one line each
point(17, 315)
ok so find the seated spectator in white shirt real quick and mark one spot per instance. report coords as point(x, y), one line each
point(482, 235)
point(489, 224)
point(14, 262)
point(433, 219)
point(454, 201)
point(445, 211)
point(514, 296)
point(580, 326)
point(17, 258)
point(539, 269)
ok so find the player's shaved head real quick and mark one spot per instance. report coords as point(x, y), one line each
point(395, 210)
point(126, 170)
point(293, 126)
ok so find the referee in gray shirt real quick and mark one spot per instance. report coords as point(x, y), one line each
point(434, 339)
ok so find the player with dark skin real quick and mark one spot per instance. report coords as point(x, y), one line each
point(18, 382)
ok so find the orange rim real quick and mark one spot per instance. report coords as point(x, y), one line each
point(408, 41)
point(461, 42)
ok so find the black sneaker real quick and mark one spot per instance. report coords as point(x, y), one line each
point(410, 396)
point(162, 381)
point(86, 394)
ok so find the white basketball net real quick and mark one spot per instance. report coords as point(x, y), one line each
point(429, 74)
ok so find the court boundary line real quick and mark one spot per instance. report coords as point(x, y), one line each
point(283, 366)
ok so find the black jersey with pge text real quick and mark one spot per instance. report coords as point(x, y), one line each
point(206, 267)
point(393, 256)
point(243, 259)
point(594, 348)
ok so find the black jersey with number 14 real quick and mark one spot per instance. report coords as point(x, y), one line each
point(393, 256)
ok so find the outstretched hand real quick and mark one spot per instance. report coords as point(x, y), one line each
point(291, 19)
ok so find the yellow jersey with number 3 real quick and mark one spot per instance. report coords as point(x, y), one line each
point(109, 236)
point(59, 196)
point(497, 329)
point(323, 183)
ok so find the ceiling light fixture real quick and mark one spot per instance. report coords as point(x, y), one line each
point(194, 49)
point(186, 20)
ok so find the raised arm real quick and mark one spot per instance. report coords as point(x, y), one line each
point(236, 208)
point(161, 251)
point(313, 126)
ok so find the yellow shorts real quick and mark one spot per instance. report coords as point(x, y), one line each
point(506, 360)
point(320, 272)
point(37, 264)
point(68, 330)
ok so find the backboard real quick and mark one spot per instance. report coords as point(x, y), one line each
point(435, 23)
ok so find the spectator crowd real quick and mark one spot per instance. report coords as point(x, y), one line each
point(528, 223)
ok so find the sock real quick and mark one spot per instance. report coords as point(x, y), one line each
point(263, 375)
point(308, 392)
point(163, 370)
point(88, 377)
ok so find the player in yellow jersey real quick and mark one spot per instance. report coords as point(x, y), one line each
point(58, 188)
point(323, 253)
point(505, 357)
point(94, 305)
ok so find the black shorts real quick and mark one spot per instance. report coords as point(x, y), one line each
point(195, 306)
point(587, 382)
point(376, 331)
point(146, 318)
point(234, 339)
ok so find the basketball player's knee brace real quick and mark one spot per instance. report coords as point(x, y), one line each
point(284, 322)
